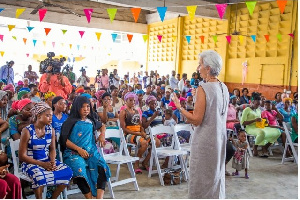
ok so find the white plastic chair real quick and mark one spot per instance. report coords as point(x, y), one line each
point(173, 150)
point(14, 146)
point(118, 158)
point(288, 128)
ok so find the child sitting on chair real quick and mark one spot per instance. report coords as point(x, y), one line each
point(241, 157)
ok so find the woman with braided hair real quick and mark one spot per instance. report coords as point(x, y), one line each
point(265, 136)
point(37, 152)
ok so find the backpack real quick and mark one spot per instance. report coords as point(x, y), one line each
point(173, 177)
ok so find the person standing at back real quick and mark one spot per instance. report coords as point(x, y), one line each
point(7, 72)
point(181, 83)
point(173, 81)
point(31, 75)
point(208, 145)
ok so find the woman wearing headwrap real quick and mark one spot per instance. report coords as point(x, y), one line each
point(140, 94)
point(23, 93)
point(10, 89)
point(49, 97)
point(21, 119)
point(37, 152)
point(152, 116)
point(287, 110)
point(78, 144)
point(107, 113)
point(98, 95)
point(130, 122)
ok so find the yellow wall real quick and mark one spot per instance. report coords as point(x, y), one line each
point(266, 60)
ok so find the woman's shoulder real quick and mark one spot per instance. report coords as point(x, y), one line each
point(100, 109)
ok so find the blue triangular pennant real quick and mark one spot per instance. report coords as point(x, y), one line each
point(253, 38)
point(34, 42)
point(162, 12)
point(1, 9)
point(188, 38)
point(114, 36)
point(30, 28)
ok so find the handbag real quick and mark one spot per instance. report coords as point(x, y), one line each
point(173, 177)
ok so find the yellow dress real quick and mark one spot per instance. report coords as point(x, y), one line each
point(263, 135)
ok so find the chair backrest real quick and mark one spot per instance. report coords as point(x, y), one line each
point(161, 129)
point(118, 133)
point(14, 146)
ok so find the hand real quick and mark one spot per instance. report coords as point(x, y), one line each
point(48, 77)
point(176, 100)
point(258, 119)
point(156, 113)
point(49, 68)
point(3, 169)
point(105, 104)
point(236, 120)
point(102, 140)
point(143, 134)
point(53, 165)
point(46, 165)
point(83, 153)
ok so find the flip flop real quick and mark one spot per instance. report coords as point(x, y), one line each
point(138, 171)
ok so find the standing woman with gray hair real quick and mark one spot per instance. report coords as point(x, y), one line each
point(207, 162)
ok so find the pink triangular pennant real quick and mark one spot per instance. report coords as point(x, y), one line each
point(81, 33)
point(1, 37)
point(228, 37)
point(221, 8)
point(53, 44)
point(88, 13)
point(27, 54)
point(42, 13)
point(159, 37)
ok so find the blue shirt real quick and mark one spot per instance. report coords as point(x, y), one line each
point(148, 114)
point(57, 123)
point(287, 115)
point(179, 117)
point(7, 73)
point(164, 101)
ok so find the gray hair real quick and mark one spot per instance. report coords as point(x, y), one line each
point(213, 60)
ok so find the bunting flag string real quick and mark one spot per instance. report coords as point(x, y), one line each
point(15, 38)
point(34, 42)
point(2, 53)
point(78, 46)
point(253, 38)
point(159, 37)
point(88, 13)
point(191, 11)
point(145, 38)
point(114, 36)
point(221, 8)
point(281, 5)
point(70, 45)
point(44, 43)
point(64, 31)
point(19, 11)
point(241, 38)
point(215, 38)
point(250, 6)
point(111, 13)
point(136, 13)
point(162, 12)
point(267, 37)
point(291, 34)
point(81, 33)
point(29, 28)
point(1, 9)
point(53, 44)
point(174, 38)
point(279, 37)
point(188, 38)
point(98, 34)
point(11, 27)
point(42, 13)
point(202, 39)
point(25, 40)
point(27, 54)
point(228, 37)
point(129, 37)
point(47, 30)
point(1, 37)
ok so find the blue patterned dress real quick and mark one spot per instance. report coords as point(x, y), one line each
point(38, 149)
point(82, 135)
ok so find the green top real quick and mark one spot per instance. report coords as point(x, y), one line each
point(70, 76)
point(249, 114)
point(294, 135)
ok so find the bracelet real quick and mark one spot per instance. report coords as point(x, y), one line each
point(181, 109)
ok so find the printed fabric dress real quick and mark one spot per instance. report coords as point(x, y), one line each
point(82, 136)
point(240, 158)
point(38, 149)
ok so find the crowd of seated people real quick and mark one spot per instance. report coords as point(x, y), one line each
point(42, 121)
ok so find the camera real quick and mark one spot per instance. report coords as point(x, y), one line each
point(82, 69)
point(197, 82)
point(49, 61)
point(98, 72)
point(111, 75)
point(66, 68)
point(159, 110)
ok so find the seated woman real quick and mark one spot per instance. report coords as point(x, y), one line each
point(37, 152)
point(4, 133)
point(294, 134)
point(10, 184)
point(107, 113)
point(287, 110)
point(21, 117)
point(152, 116)
point(245, 98)
point(236, 92)
point(131, 123)
point(78, 144)
point(264, 136)
point(117, 102)
point(232, 122)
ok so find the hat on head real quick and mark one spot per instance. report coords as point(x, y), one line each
point(22, 103)
point(9, 87)
point(189, 94)
point(20, 83)
point(22, 93)
point(88, 96)
point(55, 100)
point(232, 97)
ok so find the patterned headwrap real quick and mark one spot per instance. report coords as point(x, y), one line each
point(88, 96)
point(182, 99)
point(21, 104)
point(38, 108)
point(2, 94)
point(140, 92)
point(150, 98)
point(22, 93)
point(24, 89)
point(131, 95)
point(20, 83)
point(49, 94)
point(287, 99)
point(232, 97)
point(9, 87)
point(79, 90)
point(99, 94)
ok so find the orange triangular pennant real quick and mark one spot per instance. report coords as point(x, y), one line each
point(47, 30)
point(25, 40)
point(267, 38)
point(136, 13)
point(129, 37)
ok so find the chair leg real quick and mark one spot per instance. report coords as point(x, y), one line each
point(110, 189)
point(159, 171)
point(118, 172)
point(294, 153)
point(183, 166)
point(132, 173)
point(151, 165)
point(284, 152)
point(270, 151)
point(64, 194)
point(44, 192)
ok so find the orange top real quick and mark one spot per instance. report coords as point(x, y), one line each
point(55, 86)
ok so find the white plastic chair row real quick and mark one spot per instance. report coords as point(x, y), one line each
point(288, 128)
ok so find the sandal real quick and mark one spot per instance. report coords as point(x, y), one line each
point(235, 174)
point(246, 176)
point(138, 171)
point(145, 167)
